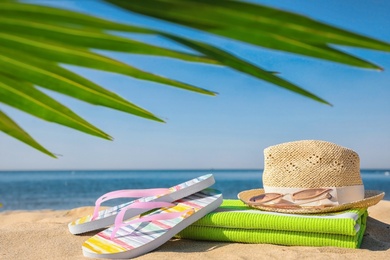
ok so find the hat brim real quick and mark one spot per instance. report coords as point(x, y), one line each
point(371, 197)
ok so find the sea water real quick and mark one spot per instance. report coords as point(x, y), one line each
point(35, 190)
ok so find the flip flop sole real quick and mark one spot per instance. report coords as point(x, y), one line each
point(136, 239)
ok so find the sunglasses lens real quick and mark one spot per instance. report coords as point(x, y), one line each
point(265, 197)
point(309, 194)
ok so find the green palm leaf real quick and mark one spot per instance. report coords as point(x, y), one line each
point(293, 25)
point(24, 96)
point(35, 39)
point(229, 60)
point(259, 25)
point(70, 55)
point(8, 126)
point(50, 76)
point(51, 15)
point(89, 38)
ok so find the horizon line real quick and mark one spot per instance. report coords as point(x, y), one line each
point(159, 169)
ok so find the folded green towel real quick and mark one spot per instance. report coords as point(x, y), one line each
point(235, 214)
point(235, 222)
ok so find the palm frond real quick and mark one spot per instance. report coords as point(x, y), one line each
point(35, 39)
point(22, 95)
point(238, 64)
point(11, 128)
point(51, 76)
point(88, 38)
point(259, 25)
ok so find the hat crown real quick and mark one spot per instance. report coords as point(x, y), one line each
point(310, 164)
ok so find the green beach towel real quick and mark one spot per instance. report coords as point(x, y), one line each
point(233, 221)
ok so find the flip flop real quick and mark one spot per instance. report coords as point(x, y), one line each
point(144, 234)
point(104, 218)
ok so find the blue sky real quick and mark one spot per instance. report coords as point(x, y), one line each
point(232, 129)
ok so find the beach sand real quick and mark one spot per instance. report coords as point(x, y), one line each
point(44, 235)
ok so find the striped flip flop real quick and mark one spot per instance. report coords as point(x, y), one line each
point(143, 234)
point(103, 218)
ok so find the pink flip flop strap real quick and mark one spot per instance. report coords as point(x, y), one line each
point(161, 216)
point(126, 194)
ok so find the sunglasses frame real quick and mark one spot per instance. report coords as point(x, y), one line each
point(317, 193)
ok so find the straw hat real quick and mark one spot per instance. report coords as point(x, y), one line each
point(312, 164)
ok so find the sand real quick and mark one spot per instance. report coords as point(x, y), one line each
point(44, 235)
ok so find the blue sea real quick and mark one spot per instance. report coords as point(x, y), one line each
point(35, 190)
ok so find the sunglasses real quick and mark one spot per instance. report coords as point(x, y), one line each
point(299, 198)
